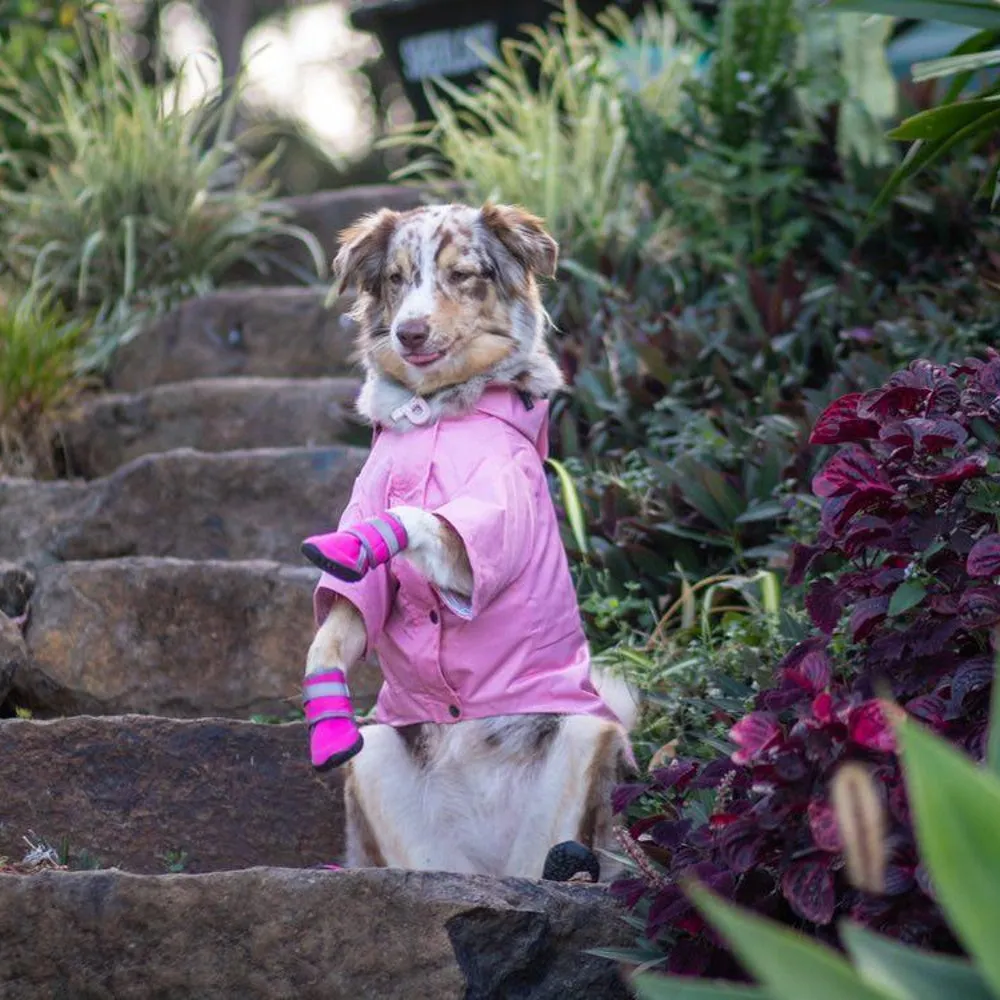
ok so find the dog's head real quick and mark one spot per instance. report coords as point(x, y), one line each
point(446, 292)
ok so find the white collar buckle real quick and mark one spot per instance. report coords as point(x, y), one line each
point(417, 410)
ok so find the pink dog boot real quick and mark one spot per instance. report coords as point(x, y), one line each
point(350, 554)
point(334, 737)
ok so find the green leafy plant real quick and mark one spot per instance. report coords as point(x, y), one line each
point(142, 202)
point(559, 144)
point(969, 121)
point(39, 348)
point(750, 166)
point(708, 658)
point(174, 861)
point(955, 805)
point(30, 30)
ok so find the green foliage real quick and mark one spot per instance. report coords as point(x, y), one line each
point(39, 348)
point(700, 676)
point(174, 861)
point(141, 203)
point(744, 167)
point(972, 122)
point(30, 31)
point(559, 145)
point(956, 808)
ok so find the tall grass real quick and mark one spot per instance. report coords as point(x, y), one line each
point(38, 376)
point(141, 203)
point(545, 128)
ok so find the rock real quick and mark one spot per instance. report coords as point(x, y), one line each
point(13, 659)
point(271, 332)
point(33, 513)
point(266, 932)
point(16, 585)
point(171, 637)
point(256, 504)
point(213, 415)
point(141, 793)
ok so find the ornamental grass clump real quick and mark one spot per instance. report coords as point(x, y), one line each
point(38, 377)
point(140, 202)
point(546, 129)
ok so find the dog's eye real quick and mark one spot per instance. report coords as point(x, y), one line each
point(396, 279)
point(458, 276)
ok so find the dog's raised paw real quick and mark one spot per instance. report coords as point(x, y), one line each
point(570, 861)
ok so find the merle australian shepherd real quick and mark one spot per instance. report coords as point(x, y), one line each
point(496, 743)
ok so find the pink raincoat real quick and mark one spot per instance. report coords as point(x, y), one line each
point(518, 646)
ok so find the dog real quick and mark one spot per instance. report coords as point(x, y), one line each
point(496, 744)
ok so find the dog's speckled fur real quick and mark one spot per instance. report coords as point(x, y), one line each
point(472, 273)
point(487, 796)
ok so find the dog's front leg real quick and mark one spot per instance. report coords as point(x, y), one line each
point(336, 649)
point(436, 551)
point(339, 642)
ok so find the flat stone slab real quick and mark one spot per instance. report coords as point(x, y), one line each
point(256, 504)
point(271, 932)
point(171, 637)
point(267, 332)
point(213, 415)
point(141, 793)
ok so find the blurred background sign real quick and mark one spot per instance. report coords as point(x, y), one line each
point(427, 38)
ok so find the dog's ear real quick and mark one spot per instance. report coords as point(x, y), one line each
point(523, 236)
point(363, 250)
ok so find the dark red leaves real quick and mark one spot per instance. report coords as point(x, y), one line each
point(852, 471)
point(812, 674)
point(753, 734)
point(824, 828)
point(840, 423)
point(984, 557)
point(624, 795)
point(869, 728)
point(955, 472)
point(906, 519)
point(979, 608)
point(824, 604)
point(866, 615)
point(808, 887)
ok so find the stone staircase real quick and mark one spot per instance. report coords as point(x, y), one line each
point(164, 615)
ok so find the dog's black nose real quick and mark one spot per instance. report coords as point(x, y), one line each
point(413, 334)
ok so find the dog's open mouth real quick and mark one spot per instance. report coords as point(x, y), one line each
point(423, 360)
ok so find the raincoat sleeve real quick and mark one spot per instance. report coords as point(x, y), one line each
point(371, 595)
point(494, 515)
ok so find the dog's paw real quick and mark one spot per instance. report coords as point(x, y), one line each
point(571, 862)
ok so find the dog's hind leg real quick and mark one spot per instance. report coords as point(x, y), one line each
point(569, 795)
point(390, 811)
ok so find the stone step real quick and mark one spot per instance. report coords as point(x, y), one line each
point(170, 637)
point(212, 415)
point(256, 504)
point(268, 332)
point(140, 793)
point(272, 932)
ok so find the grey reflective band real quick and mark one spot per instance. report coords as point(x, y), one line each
point(332, 714)
point(330, 689)
point(388, 535)
point(366, 550)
